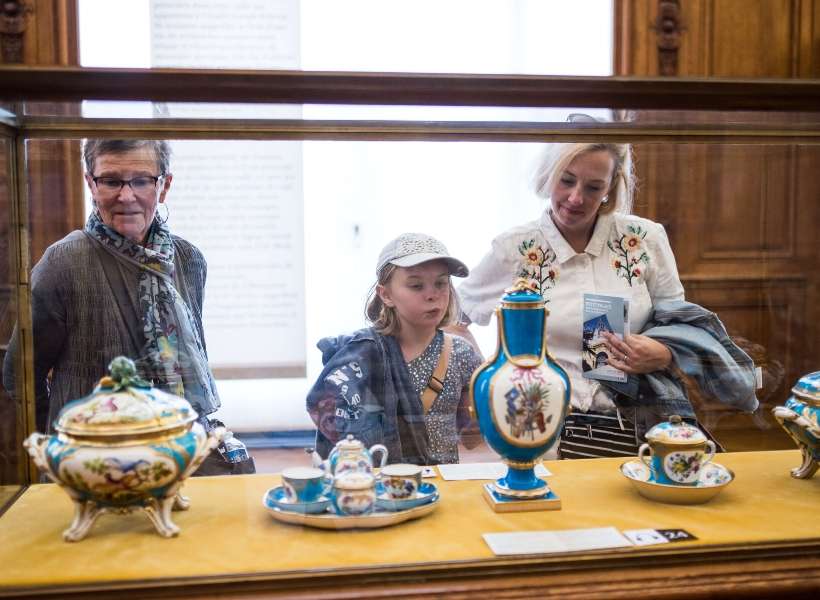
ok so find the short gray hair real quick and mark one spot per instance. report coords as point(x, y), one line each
point(93, 149)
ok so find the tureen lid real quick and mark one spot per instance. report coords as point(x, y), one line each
point(123, 404)
point(675, 431)
point(808, 387)
point(523, 293)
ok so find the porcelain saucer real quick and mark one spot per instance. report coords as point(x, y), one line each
point(713, 478)
point(427, 493)
point(276, 498)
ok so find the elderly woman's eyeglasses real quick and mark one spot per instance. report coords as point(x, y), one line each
point(140, 185)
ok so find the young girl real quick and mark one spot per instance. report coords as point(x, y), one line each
point(380, 383)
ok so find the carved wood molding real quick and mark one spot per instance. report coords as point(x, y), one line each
point(668, 28)
point(13, 23)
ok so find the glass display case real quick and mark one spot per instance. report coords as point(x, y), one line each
point(290, 213)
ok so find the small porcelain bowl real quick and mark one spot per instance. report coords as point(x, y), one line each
point(800, 417)
point(712, 480)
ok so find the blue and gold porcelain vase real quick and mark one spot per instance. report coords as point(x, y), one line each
point(800, 417)
point(126, 446)
point(521, 396)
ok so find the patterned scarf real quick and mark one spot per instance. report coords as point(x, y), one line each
point(174, 354)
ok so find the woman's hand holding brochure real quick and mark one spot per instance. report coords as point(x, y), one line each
point(637, 354)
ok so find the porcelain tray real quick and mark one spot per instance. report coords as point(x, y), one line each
point(321, 514)
point(330, 520)
point(713, 478)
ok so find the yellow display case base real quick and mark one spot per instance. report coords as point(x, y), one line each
point(501, 504)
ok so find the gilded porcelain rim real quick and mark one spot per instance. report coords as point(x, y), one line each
point(123, 430)
point(809, 398)
point(123, 438)
point(531, 493)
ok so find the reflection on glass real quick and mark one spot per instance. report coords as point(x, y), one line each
point(292, 231)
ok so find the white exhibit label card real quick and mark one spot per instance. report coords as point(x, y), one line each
point(555, 542)
point(488, 471)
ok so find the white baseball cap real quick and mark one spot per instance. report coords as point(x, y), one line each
point(411, 249)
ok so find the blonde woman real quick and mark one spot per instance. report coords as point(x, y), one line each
point(586, 241)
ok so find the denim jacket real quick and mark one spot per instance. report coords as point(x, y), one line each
point(365, 390)
point(702, 349)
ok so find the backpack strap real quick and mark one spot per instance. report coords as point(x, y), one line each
point(436, 383)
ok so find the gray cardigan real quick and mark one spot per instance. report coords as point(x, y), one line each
point(85, 312)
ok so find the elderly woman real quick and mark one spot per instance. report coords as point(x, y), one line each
point(124, 285)
point(587, 241)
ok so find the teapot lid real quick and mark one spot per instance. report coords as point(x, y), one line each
point(349, 443)
point(674, 432)
point(124, 404)
point(522, 294)
point(808, 387)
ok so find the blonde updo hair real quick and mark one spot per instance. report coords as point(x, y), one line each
point(385, 319)
point(557, 157)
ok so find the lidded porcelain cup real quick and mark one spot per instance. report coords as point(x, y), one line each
point(800, 417)
point(676, 452)
point(126, 446)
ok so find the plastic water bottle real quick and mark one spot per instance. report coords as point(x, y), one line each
point(232, 449)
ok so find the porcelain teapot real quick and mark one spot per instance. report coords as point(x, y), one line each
point(350, 455)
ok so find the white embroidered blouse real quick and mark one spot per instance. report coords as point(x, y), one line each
point(627, 256)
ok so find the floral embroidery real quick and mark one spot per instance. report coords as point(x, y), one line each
point(537, 268)
point(629, 252)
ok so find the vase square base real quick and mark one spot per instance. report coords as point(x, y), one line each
point(550, 501)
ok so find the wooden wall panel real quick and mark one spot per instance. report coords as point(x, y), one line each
point(753, 187)
point(750, 38)
point(721, 38)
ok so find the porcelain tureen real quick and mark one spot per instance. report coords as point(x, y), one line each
point(124, 447)
point(800, 417)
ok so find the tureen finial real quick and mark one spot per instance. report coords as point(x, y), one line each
point(123, 374)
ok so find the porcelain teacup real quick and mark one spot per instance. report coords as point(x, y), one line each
point(304, 484)
point(354, 493)
point(676, 452)
point(401, 481)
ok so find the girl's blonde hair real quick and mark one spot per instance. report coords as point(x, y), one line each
point(557, 157)
point(385, 319)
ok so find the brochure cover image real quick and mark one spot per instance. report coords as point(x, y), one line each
point(602, 313)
